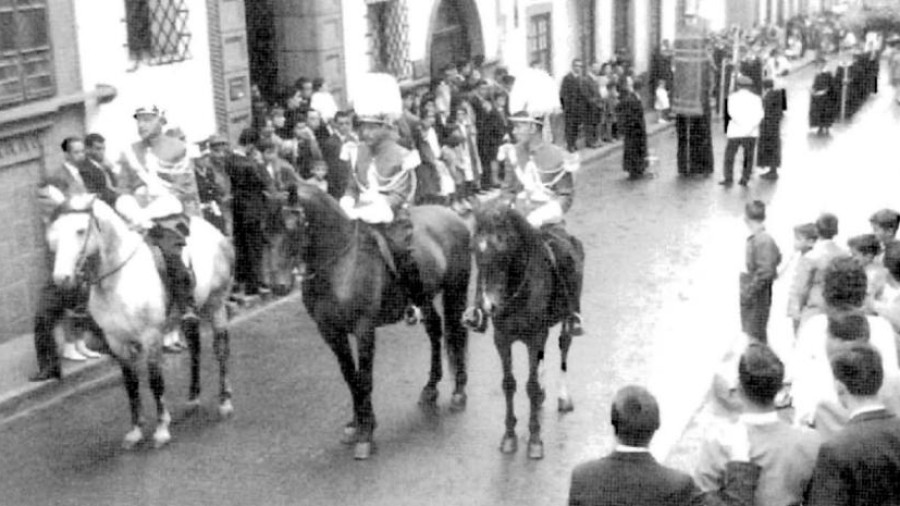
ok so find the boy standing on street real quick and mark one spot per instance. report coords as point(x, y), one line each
point(763, 257)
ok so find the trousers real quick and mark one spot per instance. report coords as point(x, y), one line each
point(749, 146)
point(51, 308)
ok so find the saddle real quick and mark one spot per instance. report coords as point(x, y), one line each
point(384, 249)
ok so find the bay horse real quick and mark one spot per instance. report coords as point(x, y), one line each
point(521, 294)
point(350, 289)
point(128, 298)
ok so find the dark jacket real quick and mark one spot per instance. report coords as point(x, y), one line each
point(338, 170)
point(763, 257)
point(571, 95)
point(249, 184)
point(625, 479)
point(861, 465)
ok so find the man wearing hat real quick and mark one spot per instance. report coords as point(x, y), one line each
point(382, 181)
point(746, 111)
point(159, 176)
point(630, 475)
point(539, 177)
point(213, 186)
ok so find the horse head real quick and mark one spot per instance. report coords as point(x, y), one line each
point(73, 236)
point(504, 241)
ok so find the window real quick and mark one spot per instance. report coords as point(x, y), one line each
point(26, 65)
point(539, 37)
point(388, 37)
point(157, 31)
point(624, 29)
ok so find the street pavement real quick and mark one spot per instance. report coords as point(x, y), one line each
point(663, 257)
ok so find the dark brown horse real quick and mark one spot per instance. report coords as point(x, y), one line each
point(349, 289)
point(521, 293)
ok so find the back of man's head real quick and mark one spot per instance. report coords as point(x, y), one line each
point(891, 259)
point(858, 367)
point(755, 211)
point(761, 374)
point(635, 416)
point(827, 225)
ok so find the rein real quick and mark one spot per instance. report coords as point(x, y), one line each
point(334, 257)
point(80, 269)
point(522, 284)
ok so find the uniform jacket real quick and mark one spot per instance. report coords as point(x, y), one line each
point(861, 464)
point(164, 167)
point(386, 169)
point(552, 166)
point(626, 479)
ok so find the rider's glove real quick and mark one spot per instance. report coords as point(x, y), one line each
point(348, 204)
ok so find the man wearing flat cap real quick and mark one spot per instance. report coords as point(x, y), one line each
point(746, 111)
point(213, 186)
point(158, 173)
point(631, 475)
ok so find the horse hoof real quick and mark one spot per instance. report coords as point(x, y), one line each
point(362, 451)
point(509, 444)
point(161, 437)
point(349, 436)
point(458, 402)
point(226, 408)
point(428, 398)
point(565, 405)
point(132, 438)
point(535, 450)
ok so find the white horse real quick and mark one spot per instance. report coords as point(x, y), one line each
point(128, 299)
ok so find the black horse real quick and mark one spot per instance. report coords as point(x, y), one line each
point(349, 288)
point(524, 298)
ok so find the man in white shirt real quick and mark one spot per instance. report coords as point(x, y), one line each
point(746, 111)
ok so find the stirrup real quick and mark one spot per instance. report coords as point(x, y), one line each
point(475, 319)
point(412, 315)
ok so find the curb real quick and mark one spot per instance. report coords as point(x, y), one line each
point(601, 153)
point(97, 374)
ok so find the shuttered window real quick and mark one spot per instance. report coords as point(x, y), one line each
point(26, 65)
point(539, 45)
point(389, 37)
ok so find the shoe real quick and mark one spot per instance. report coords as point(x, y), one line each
point(412, 315)
point(69, 352)
point(726, 182)
point(82, 348)
point(46, 374)
point(771, 175)
point(743, 182)
point(574, 323)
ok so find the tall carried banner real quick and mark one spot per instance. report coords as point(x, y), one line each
point(691, 86)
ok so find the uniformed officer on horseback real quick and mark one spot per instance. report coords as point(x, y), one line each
point(159, 175)
point(540, 183)
point(382, 182)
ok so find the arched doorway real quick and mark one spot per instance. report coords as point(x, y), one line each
point(455, 33)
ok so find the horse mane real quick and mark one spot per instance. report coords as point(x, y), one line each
point(497, 217)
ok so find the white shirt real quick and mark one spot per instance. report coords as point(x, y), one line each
point(662, 99)
point(746, 110)
point(631, 449)
point(73, 171)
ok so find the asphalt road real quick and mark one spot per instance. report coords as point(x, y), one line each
point(660, 301)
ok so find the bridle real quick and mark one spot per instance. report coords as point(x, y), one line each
point(81, 271)
point(521, 286)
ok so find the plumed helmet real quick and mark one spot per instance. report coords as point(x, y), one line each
point(377, 99)
point(535, 94)
point(149, 109)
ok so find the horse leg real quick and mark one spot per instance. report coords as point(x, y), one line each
point(130, 379)
point(158, 387)
point(192, 336)
point(340, 346)
point(457, 341)
point(433, 324)
point(222, 349)
point(536, 396)
point(565, 404)
point(365, 413)
point(508, 444)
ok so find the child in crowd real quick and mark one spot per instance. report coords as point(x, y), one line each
point(662, 102)
point(319, 173)
point(865, 248)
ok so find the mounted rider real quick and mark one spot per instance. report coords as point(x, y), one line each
point(540, 184)
point(158, 176)
point(382, 181)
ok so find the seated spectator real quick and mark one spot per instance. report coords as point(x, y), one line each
point(320, 173)
point(784, 454)
point(630, 475)
point(861, 464)
point(815, 402)
point(865, 249)
point(805, 297)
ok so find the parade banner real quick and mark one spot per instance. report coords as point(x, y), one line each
point(691, 70)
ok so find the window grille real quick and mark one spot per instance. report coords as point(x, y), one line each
point(26, 65)
point(157, 31)
point(539, 42)
point(389, 38)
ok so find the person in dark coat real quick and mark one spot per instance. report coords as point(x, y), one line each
point(822, 100)
point(630, 475)
point(574, 103)
point(630, 113)
point(768, 152)
point(762, 259)
point(694, 132)
point(245, 168)
point(861, 464)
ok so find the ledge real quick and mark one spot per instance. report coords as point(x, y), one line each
point(102, 93)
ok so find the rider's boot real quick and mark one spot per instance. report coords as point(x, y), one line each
point(412, 282)
point(181, 288)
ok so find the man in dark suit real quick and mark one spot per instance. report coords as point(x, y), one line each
point(332, 150)
point(249, 185)
point(631, 475)
point(574, 103)
point(861, 464)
